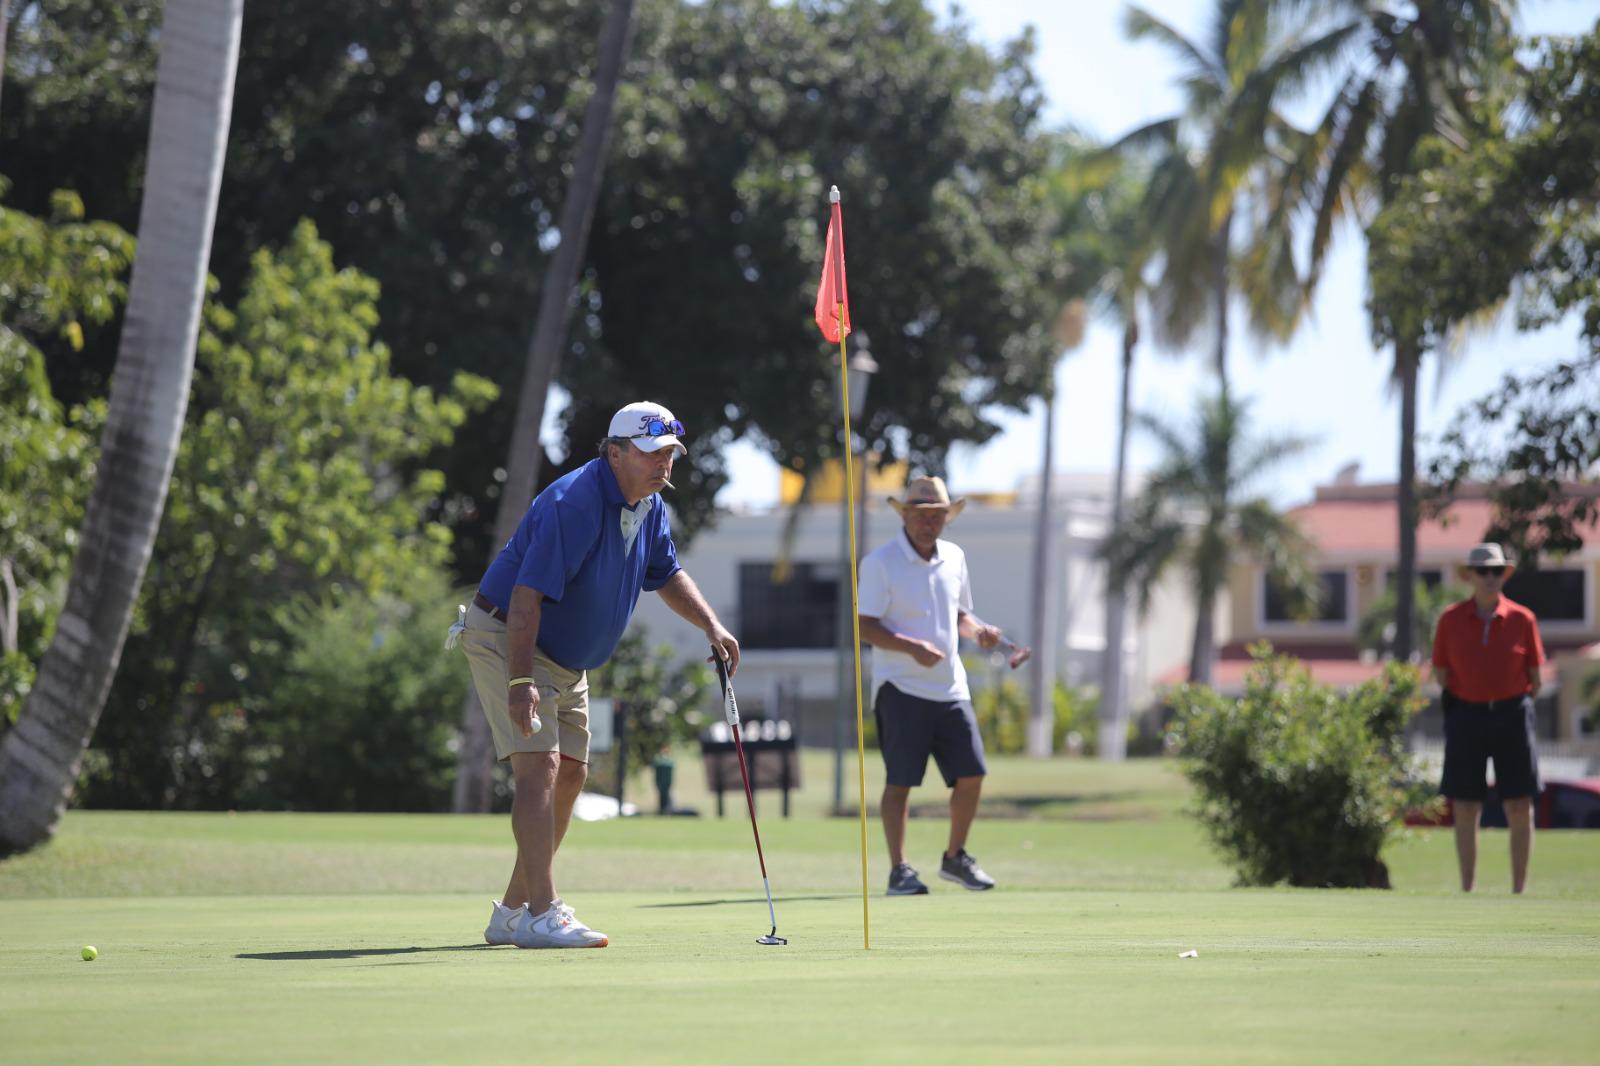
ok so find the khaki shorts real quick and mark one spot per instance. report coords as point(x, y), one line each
point(563, 693)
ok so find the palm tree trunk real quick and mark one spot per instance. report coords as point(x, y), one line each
point(39, 758)
point(1210, 570)
point(1203, 652)
point(1113, 742)
point(544, 358)
point(5, 25)
point(8, 608)
point(1219, 281)
point(1407, 358)
point(1041, 720)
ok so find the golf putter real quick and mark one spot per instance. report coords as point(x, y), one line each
point(1019, 655)
point(730, 710)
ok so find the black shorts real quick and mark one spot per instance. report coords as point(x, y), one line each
point(910, 729)
point(1474, 733)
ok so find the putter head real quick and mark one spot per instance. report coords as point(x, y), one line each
point(771, 939)
point(1019, 656)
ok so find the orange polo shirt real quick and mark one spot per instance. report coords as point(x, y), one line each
point(1487, 660)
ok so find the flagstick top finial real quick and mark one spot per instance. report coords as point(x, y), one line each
point(833, 194)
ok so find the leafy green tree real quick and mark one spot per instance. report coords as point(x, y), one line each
point(56, 276)
point(1194, 512)
point(427, 140)
point(708, 243)
point(358, 715)
point(298, 477)
point(40, 756)
point(1514, 218)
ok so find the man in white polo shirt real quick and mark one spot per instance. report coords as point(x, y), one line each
point(916, 604)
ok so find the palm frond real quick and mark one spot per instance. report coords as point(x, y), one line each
point(1282, 548)
point(1158, 136)
point(1354, 111)
point(1140, 25)
point(1140, 552)
point(1257, 457)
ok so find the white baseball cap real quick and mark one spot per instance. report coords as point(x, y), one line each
point(650, 426)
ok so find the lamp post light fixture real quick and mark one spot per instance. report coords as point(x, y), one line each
point(860, 367)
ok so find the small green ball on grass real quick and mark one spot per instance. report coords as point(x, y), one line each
point(89, 953)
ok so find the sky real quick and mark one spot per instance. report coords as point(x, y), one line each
point(1329, 383)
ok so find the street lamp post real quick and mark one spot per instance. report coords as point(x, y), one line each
point(861, 367)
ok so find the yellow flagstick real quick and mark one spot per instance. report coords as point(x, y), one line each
point(855, 614)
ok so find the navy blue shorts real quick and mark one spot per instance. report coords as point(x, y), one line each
point(1474, 733)
point(910, 729)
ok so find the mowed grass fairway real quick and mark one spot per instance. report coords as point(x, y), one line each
point(357, 938)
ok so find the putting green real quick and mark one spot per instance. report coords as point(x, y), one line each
point(260, 938)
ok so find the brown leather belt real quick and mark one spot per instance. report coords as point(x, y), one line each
point(480, 600)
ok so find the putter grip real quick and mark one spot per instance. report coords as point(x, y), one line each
point(730, 704)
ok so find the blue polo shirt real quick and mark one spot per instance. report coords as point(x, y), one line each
point(573, 547)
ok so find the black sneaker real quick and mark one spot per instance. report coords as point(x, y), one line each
point(903, 881)
point(964, 870)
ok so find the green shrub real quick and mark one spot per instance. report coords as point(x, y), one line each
point(366, 713)
point(1298, 782)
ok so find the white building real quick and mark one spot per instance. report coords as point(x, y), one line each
point(791, 667)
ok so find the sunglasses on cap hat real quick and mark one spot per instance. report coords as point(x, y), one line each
point(657, 427)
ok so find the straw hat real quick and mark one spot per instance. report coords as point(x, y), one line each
point(1487, 554)
point(928, 492)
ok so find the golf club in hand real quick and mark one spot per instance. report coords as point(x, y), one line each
point(1019, 654)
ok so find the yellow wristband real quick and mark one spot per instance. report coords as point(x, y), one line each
point(515, 681)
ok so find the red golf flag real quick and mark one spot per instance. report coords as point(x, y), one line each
point(831, 291)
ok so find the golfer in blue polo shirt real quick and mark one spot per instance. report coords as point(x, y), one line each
point(552, 606)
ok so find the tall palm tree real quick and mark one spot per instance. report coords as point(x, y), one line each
point(556, 299)
point(39, 758)
point(5, 25)
point(1219, 167)
point(1427, 70)
point(1069, 330)
point(1107, 248)
point(1194, 512)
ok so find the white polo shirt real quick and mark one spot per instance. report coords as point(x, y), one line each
point(920, 598)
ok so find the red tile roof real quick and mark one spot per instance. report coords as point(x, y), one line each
point(1362, 519)
point(1355, 526)
point(1339, 665)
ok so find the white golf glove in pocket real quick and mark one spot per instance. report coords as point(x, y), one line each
point(458, 627)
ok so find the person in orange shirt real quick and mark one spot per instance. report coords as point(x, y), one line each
point(1486, 658)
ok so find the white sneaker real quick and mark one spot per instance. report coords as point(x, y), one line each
point(557, 927)
point(501, 923)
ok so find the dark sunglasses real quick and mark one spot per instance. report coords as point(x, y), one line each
point(655, 427)
point(1489, 571)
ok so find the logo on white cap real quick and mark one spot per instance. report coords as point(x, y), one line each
point(650, 426)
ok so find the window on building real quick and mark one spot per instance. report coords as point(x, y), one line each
point(798, 613)
point(1552, 595)
point(1429, 578)
point(1335, 605)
